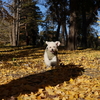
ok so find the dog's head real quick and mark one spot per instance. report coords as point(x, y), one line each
point(52, 46)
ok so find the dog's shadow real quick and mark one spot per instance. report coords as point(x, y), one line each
point(34, 82)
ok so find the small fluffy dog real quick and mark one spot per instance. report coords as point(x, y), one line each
point(50, 54)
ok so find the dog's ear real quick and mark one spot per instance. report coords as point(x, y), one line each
point(57, 43)
point(47, 42)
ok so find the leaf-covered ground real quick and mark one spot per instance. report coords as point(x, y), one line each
point(23, 75)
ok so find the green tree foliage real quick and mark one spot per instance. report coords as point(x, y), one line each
point(26, 17)
point(5, 24)
point(78, 14)
point(58, 10)
point(30, 18)
point(88, 10)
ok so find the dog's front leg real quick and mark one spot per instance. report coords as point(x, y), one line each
point(46, 60)
point(54, 61)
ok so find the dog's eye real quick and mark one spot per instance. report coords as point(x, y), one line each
point(49, 47)
point(54, 46)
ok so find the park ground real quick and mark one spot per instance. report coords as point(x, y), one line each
point(23, 75)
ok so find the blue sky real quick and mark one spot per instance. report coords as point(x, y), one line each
point(43, 9)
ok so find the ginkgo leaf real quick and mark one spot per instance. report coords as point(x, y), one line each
point(40, 90)
point(56, 98)
point(96, 93)
point(49, 90)
point(71, 80)
point(81, 95)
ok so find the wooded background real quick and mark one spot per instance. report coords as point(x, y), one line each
point(69, 21)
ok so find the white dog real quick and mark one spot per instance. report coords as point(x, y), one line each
point(50, 54)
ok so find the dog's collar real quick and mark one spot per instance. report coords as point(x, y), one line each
point(50, 54)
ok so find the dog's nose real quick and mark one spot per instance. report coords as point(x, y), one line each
point(52, 50)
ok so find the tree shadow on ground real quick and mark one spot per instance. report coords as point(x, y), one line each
point(34, 82)
point(16, 52)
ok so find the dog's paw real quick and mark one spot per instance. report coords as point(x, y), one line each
point(61, 65)
point(48, 68)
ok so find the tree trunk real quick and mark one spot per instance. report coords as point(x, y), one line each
point(66, 36)
point(18, 22)
point(72, 38)
point(27, 37)
point(58, 31)
point(84, 28)
point(63, 35)
point(15, 25)
point(14, 28)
